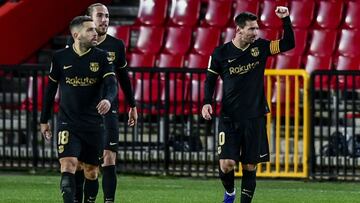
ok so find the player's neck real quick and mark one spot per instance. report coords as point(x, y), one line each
point(240, 44)
point(101, 38)
point(80, 50)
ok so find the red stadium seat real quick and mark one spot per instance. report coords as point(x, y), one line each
point(141, 60)
point(301, 13)
point(347, 63)
point(170, 61)
point(269, 34)
point(197, 61)
point(123, 33)
point(349, 43)
point(270, 63)
point(288, 62)
point(177, 40)
point(322, 42)
point(144, 44)
point(152, 12)
point(313, 63)
point(228, 34)
point(352, 19)
point(300, 42)
point(218, 13)
point(184, 12)
point(147, 92)
point(178, 93)
point(196, 93)
point(42, 82)
point(329, 14)
point(206, 39)
point(268, 18)
point(246, 5)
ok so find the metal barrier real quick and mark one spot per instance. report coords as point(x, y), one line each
point(287, 124)
point(335, 116)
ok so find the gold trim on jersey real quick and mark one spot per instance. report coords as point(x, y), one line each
point(242, 49)
point(110, 73)
point(212, 71)
point(274, 47)
point(124, 65)
point(78, 53)
point(52, 79)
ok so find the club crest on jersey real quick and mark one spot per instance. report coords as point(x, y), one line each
point(111, 56)
point(94, 66)
point(255, 51)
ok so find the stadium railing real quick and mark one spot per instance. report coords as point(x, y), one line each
point(287, 124)
point(335, 121)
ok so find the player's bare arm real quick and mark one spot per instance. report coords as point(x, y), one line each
point(133, 116)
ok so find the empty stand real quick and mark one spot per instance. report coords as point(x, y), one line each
point(206, 39)
point(287, 61)
point(150, 39)
point(349, 43)
point(313, 63)
point(123, 33)
point(142, 61)
point(184, 12)
point(228, 34)
point(177, 40)
point(329, 14)
point(270, 63)
point(347, 63)
point(197, 61)
point(322, 42)
point(178, 93)
point(170, 61)
point(246, 5)
point(218, 13)
point(268, 18)
point(352, 19)
point(269, 34)
point(301, 13)
point(152, 12)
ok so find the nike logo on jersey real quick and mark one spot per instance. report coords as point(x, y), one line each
point(231, 60)
point(112, 143)
point(66, 67)
point(263, 155)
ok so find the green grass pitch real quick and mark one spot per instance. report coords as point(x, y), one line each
point(18, 188)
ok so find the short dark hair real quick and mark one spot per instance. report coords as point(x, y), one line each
point(240, 20)
point(90, 9)
point(78, 21)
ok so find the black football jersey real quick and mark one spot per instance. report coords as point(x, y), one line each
point(80, 79)
point(242, 72)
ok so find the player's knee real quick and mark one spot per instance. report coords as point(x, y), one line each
point(68, 164)
point(91, 172)
point(227, 165)
point(109, 158)
point(249, 167)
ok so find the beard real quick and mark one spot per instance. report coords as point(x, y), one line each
point(101, 31)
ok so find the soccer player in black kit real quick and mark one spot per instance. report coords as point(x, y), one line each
point(116, 54)
point(87, 87)
point(241, 65)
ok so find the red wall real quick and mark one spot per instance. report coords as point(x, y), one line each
point(28, 24)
